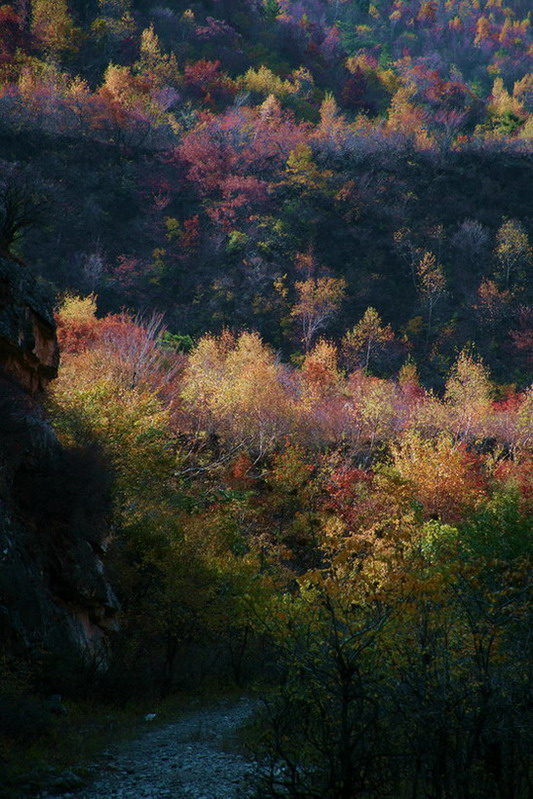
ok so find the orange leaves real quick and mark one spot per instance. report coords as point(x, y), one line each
point(518, 473)
point(321, 403)
point(493, 304)
point(427, 13)
point(483, 31)
point(320, 378)
point(446, 479)
point(121, 352)
point(408, 118)
point(76, 323)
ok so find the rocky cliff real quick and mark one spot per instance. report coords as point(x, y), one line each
point(54, 596)
point(28, 346)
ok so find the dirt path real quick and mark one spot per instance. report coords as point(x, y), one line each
point(187, 759)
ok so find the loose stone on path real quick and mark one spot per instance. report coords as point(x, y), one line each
point(182, 760)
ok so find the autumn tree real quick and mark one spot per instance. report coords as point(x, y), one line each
point(161, 68)
point(174, 571)
point(492, 304)
point(408, 117)
point(373, 414)
point(77, 324)
point(363, 343)
point(444, 477)
point(264, 82)
point(431, 285)
point(321, 415)
point(467, 396)
point(513, 253)
point(252, 397)
point(52, 24)
point(332, 126)
point(303, 173)
point(506, 112)
point(238, 391)
point(318, 301)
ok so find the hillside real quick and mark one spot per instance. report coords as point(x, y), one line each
point(289, 441)
point(204, 161)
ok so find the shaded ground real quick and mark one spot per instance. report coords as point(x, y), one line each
point(192, 758)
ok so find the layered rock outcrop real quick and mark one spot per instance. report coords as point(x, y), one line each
point(54, 595)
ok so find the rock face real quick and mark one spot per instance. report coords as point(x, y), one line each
point(55, 600)
point(28, 346)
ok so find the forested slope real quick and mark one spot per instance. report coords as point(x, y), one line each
point(290, 244)
point(207, 160)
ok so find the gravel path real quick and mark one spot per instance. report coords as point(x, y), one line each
point(187, 759)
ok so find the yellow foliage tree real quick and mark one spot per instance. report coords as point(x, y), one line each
point(467, 396)
point(444, 478)
point(53, 26)
point(238, 390)
point(319, 300)
point(364, 340)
